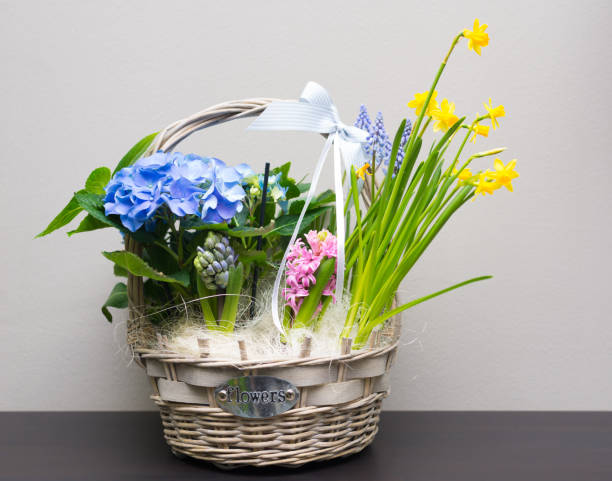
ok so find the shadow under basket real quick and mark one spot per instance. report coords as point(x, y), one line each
point(338, 400)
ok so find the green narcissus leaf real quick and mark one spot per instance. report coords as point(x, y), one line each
point(97, 180)
point(134, 264)
point(118, 298)
point(135, 152)
point(68, 213)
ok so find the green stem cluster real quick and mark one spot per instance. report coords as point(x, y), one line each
point(405, 215)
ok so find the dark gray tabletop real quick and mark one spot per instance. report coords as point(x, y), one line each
point(432, 446)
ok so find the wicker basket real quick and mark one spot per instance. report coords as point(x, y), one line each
point(339, 397)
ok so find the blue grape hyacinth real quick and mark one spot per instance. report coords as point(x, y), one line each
point(363, 120)
point(378, 143)
point(403, 142)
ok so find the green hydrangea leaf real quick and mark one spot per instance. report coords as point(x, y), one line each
point(135, 152)
point(120, 271)
point(68, 213)
point(251, 231)
point(89, 223)
point(253, 256)
point(135, 265)
point(296, 207)
point(325, 197)
point(97, 180)
point(292, 190)
point(283, 170)
point(93, 204)
point(118, 298)
point(285, 224)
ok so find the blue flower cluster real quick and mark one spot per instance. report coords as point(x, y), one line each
point(275, 189)
point(404, 140)
point(187, 184)
point(378, 142)
point(363, 119)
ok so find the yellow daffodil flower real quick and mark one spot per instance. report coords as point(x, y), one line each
point(479, 130)
point(504, 174)
point(464, 175)
point(494, 113)
point(444, 116)
point(477, 37)
point(419, 101)
point(362, 171)
point(484, 185)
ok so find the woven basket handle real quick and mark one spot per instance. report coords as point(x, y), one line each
point(139, 328)
point(174, 133)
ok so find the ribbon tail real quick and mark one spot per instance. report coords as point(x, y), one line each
point(340, 227)
point(281, 269)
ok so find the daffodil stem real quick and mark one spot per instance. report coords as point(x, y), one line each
point(450, 50)
point(465, 139)
point(425, 125)
point(433, 87)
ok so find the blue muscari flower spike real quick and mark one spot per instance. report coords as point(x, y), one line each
point(403, 142)
point(378, 143)
point(363, 120)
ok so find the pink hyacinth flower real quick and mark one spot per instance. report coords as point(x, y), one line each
point(302, 264)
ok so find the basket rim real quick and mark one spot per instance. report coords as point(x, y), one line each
point(167, 356)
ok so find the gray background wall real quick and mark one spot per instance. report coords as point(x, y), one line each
point(82, 81)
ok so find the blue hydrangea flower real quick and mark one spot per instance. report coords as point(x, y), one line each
point(275, 190)
point(224, 199)
point(245, 171)
point(135, 192)
point(188, 185)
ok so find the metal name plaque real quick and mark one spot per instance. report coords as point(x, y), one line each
point(256, 397)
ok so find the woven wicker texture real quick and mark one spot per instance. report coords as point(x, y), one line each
point(340, 396)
